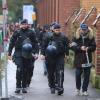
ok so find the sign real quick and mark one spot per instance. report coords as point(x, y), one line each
point(34, 16)
point(27, 13)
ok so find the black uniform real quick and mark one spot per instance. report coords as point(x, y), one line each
point(38, 31)
point(54, 48)
point(24, 65)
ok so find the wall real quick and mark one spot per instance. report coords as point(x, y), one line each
point(49, 11)
point(89, 3)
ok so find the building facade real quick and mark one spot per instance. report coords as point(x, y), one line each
point(49, 11)
point(70, 13)
point(95, 22)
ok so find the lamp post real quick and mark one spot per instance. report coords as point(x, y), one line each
point(4, 8)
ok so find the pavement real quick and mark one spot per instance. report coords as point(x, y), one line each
point(39, 89)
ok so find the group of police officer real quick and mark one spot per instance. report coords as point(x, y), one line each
point(54, 47)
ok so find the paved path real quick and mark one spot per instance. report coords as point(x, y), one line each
point(39, 89)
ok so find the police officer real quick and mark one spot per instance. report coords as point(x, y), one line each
point(54, 48)
point(24, 41)
point(38, 30)
point(46, 31)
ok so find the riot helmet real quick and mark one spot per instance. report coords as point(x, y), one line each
point(51, 50)
point(27, 49)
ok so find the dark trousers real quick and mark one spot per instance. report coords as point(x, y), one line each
point(55, 68)
point(85, 72)
point(21, 77)
point(30, 74)
point(24, 72)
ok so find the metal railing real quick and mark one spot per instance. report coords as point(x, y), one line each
point(96, 20)
point(72, 14)
point(89, 13)
point(79, 13)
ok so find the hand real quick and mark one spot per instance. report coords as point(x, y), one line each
point(72, 44)
point(83, 48)
point(87, 48)
point(36, 56)
point(42, 57)
point(9, 57)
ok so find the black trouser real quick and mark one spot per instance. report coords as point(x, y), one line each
point(30, 71)
point(21, 77)
point(55, 68)
point(86, 76)
point(22, 72)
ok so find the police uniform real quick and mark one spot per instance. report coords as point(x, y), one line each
point(54, 48)
point(24, 64)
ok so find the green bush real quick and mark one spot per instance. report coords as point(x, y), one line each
point(2, 61)
point(70, 60)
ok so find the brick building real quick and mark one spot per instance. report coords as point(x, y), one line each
point(88, 3)
point(94, 21)
point(67, 12)
point(49, 11)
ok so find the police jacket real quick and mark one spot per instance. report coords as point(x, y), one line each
point(61, 43)
point(17, 40)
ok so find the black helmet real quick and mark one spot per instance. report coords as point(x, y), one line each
point(51, 50)
point(46, 27)
point(27, 50)
point(53, 23)
point(57, 26)
point(24, 21)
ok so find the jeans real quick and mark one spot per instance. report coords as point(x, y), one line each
point(86, 77)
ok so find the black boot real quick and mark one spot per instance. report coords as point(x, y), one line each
point(27, 85)
point(52, 90)
point(24, 90)
point(56, 86)
point(60, 91)
point(17, 90)
point(45, 73)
